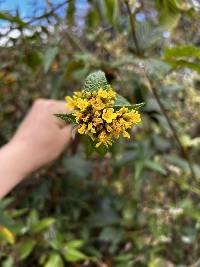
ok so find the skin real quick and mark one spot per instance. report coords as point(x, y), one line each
point(40, 139)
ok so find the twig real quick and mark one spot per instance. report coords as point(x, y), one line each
point(50, 13)
point(132, 22)
point(175, 134)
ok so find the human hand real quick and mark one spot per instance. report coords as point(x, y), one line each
point(41, 134)
point(40, 139)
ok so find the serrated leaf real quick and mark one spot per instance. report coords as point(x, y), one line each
point(138, 106)
point(121, 102)
point(95, 81)
point(67, 118)
point(43, 225)
point(25, 248)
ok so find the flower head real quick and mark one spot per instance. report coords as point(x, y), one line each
point(96, 115)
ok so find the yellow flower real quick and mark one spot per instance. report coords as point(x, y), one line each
point(91, 128)
point(70, 102)
point(135, 116)
point(109, 128)
point(126, 134)
point(82, 104)
point(104, 139)
point(94, 113)
point(82, 129)
point(97, 121)
point(78, 94)
point(97, 103)
point(109, 115)
point(111, 93)
point(102, 93)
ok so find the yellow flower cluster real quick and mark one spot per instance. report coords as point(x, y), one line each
point(96, 116)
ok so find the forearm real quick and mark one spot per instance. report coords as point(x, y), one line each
point(14, 166)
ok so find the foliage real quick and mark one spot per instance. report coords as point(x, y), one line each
point(138, 204)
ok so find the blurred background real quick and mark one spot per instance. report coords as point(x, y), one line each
point(137, 205)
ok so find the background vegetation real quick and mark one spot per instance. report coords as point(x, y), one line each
point(139, 204)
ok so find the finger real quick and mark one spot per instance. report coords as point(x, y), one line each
point(66, 134)
point(60, 108)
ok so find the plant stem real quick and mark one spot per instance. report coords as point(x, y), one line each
point(157, 97)
point(173, 129)
point(132, 22)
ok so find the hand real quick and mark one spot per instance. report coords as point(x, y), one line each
point(42, 134)
point(40, 139)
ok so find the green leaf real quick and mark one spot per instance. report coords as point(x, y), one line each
point(32, 59)
point(169, 13)
point(7, 235)
point(54, 260)
point(156, 69)
point(25, 248)
point(111, 8)
point(124, 257)
point(33, 218)
point(73, 255)
point(49, 57)
point(185, 64)
point(182, 51)
point(121, 102)
point(155, 166)
point(8, 262)
point(186, 56)
point(147, 35)
point(43, 225)
point(4, 203)
point(75, 244)
point(101, 150)
point(95, 81)
point(138, 106)
point(67, 117)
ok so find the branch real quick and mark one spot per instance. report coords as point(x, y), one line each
point(49, 13)
point(173, 129)
point(132, 22)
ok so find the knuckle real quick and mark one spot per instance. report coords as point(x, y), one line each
point(48, 104)
point(39, 102)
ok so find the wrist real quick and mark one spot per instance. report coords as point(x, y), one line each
point(13, 166)
point(21, 157)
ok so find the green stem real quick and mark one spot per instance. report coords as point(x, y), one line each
point(132, 22)
point(173, 129)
